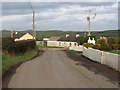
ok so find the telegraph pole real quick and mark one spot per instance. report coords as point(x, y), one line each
point(89, 21)
point(85, 33)
point(11, 33)
point(34, 32)
point(33, 21)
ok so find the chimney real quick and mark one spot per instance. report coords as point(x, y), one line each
point(77, 35)
point(67, 35)
point(16, 32)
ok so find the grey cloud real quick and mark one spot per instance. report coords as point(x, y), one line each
point(51, 21)
point(13, 8)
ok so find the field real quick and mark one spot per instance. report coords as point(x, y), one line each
point(42, 34)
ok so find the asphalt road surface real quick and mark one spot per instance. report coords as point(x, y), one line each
point(54, 69)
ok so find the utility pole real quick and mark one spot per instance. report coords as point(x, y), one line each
point(33, 21)
point(11, 33)
point(89, 21)
point(34, 32)
point(85, 33)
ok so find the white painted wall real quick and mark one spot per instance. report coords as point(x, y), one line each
point(109, 59)
point(52, 43)
point(95, 55)
point(85, 52)
point(106, 58)
point(61, 43)
point(76, 48)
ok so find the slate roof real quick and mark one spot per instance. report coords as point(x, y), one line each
point(72, 38)
point(54, 38)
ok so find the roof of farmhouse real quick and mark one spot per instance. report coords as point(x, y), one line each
point(54, 38)
point(71, 38)
point(19, 34)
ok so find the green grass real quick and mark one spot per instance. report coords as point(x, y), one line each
point(49, 47)
point(0, 64)
point(8, 61)
point(115, 52)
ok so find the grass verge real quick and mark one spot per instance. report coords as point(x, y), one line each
point(8, 61)
point(115, 52)
point(49, 47)
point(10, 64)
point(73, 54)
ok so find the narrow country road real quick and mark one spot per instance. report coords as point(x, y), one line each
point(54, 69)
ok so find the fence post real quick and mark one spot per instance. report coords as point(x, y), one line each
point(102, 61)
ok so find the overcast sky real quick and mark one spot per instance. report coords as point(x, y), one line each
point(67, 16)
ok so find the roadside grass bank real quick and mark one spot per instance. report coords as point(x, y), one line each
point(115, 52)
point(44, 48)
point(8, 61)
point(48, 47)
point(95, 67)
point(11, 63)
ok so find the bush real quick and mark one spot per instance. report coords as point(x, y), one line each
point(7, 45)
point(101, 41)
point(23, 46)
point(88, 45)
point(110, 42)
point(115, 46)
point(116, 40)
point(105, 47)
point(82, 41)
point(97, 46)
point(11, 47)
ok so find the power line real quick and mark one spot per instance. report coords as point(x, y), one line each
point(31, 5)
point(34, 32)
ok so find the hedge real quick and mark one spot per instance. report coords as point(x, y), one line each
point(88, 45)
point(97, 46)
point(105, 47)
point(115, 46)
point(23, 46)
point(9, 46)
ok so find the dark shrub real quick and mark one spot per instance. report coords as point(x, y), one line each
point(88, 45)
point(101, 41)
point(7, 45)
point(23, 46)
point(82, 41)
point(115, 46)
point(97, 46)
point(11, 47)
point(110, 42)
point(105, 47)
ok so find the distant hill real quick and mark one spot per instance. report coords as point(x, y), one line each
point(42, 34)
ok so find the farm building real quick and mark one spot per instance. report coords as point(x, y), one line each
point(22, 36)
point(64, 41)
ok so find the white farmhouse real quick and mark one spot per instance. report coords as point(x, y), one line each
point(65, 41)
